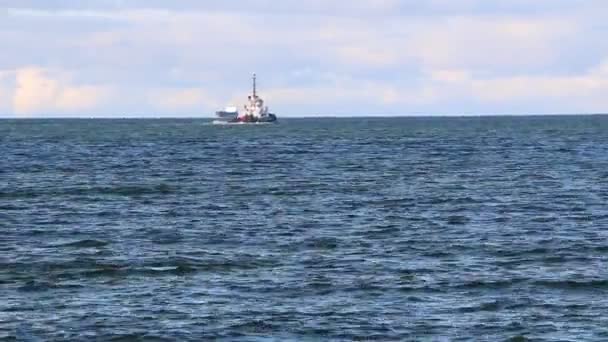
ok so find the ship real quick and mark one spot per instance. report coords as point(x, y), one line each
point(229, 114)
point(254, 111)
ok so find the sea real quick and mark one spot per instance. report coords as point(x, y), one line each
point(329, 229)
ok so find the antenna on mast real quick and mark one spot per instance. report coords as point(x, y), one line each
point(254, 85)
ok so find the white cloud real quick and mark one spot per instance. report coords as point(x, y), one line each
point(189, 99)
point(356, 93)
point(102, 7)
point(449, 75)
point(317, 7)
point(366, 56)
point(38, 91)
point(587, 89)
point(554, 94)
point(5, 93)
point(488, 43)
point(5, 101)
point(374, 54)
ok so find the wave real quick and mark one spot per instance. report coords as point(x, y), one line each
point(458, 220)
point(120, 190)
point(87, 243)
point(36, 286)
point(574, 284)
point(323, 243)
point(79, 269)
point(487, 306)
point(498, 284)
point(256, 326)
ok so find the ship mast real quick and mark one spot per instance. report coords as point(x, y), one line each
point(254, 85)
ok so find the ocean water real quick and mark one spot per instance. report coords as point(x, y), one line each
point(438, 229)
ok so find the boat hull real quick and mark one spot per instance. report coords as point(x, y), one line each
point(250, 119)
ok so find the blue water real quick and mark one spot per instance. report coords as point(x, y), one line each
point(489, 228)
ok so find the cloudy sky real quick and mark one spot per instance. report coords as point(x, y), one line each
point(133, 58)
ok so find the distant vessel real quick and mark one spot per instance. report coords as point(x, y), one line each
point(228, 114)
point(254, 111)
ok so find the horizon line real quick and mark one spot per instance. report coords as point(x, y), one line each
point(306, 116)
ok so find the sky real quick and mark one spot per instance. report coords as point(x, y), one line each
point(189, 58)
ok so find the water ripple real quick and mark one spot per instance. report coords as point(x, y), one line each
point(332, 229)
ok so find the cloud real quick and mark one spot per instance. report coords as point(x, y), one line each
point(449, 75)
point(189, 99)
point(318, 7)
point(5, 93)
point(487, 43)
point(358, 93)
point(443, 88)
point(38, 91)
point(367, 56)
point(584, 90)
point(309, 7)
point(371, 56)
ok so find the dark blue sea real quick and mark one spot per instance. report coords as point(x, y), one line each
point(391, 229)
